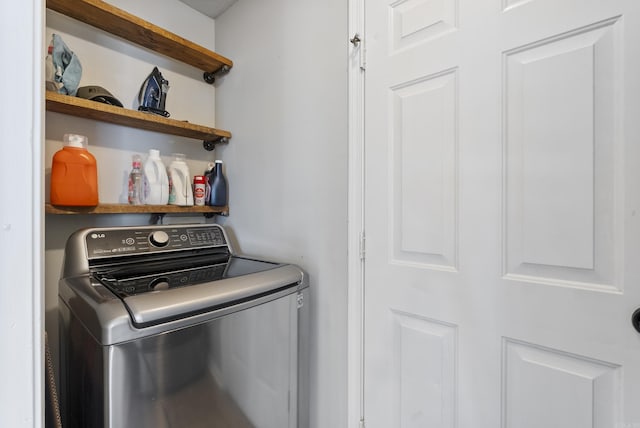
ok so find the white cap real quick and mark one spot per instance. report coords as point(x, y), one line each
point(154, 153)
point(218, 161)
point(75, 140)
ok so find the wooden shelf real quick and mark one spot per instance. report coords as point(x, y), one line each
point(135, 209)
point(133, 29)
point(81, 107)
point(138, 31)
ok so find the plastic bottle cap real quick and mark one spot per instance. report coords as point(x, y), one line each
point(218, 161)
point(75, 140)
point(153, 153)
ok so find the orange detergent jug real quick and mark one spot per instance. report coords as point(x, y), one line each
point(74, 175)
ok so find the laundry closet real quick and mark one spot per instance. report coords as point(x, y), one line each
point(278, 120)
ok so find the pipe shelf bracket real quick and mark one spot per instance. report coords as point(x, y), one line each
point(210, 76)
point(209, 145)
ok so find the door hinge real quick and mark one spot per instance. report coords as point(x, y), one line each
point(358, 43)
point(361, 423)
point(362, 246)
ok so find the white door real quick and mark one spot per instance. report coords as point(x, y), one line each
point(502, 214)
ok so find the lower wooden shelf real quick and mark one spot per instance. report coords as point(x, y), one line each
point(135, 209)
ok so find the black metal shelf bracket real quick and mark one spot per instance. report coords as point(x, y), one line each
point(210, 76)
point(209, 145)
point(211, 215)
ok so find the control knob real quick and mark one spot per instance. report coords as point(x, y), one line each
point(159, 284)
point(159, 238)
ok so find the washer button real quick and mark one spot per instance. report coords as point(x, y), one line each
point(159, 238)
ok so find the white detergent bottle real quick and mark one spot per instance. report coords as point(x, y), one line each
point(181, 192)
point(156, 181)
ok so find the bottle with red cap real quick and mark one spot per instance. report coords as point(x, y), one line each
point(199, 189)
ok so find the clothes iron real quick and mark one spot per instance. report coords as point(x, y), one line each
point(153, 93)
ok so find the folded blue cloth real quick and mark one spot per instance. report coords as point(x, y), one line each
point(68, 69)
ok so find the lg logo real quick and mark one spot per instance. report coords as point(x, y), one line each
point(98, 235)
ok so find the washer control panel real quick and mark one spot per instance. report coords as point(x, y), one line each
point(102, 243)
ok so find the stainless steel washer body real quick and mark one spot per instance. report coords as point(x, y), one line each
point(164, 326)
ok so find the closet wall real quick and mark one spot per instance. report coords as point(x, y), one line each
point(285, 102)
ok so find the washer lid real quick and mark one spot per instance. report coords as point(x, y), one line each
point(181, 294)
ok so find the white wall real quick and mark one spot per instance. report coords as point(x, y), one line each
point(285, 101)
point(21, 357)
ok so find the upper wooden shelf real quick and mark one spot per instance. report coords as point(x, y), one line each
point(136, 119)
point(133, 29)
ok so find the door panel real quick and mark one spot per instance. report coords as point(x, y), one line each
point(501, 194)
point(425, 372)
point(561, 152)
point(417, 21)
point(548, 388)
point(423, 184)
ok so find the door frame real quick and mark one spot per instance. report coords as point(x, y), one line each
point(356, 233)
point(21, 220)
